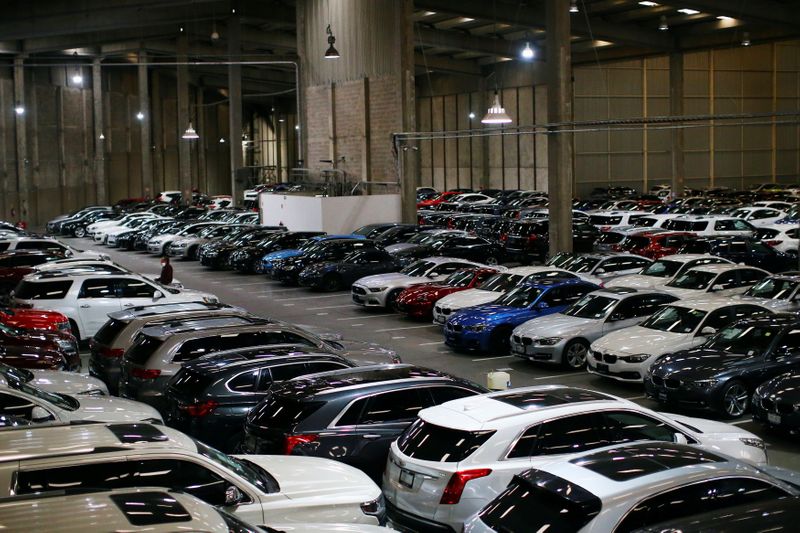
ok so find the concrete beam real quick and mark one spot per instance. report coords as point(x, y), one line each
point(21, 137)
point(763, 11)
point(448, 65)
point(454, 40)
point(184, 145)
point(235, 102)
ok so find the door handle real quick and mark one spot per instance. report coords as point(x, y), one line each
point(85, 306)
point(371, 436)
point(128, 305)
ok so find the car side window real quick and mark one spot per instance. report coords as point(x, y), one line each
point(628, 308)
point(134, 288)
point(181, 475)
point(788, 345)
point(482, 277)
point(449, 268)
point(244, 382)
point(11, 405)
point(98, 288)
point(570, 434)
point(393, 407)
point(726, 280)
point(525, 443)
point(288, 371)
point(741, 225)
point(698, 498)
point(613, 265)
point(749, 276)
point(444, 393)
point(647, 305)
point(625, 426)
point(719, 319)
point(97, 476)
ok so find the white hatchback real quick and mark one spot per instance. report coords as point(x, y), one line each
point(461, 454)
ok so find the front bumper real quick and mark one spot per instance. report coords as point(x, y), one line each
point(672, 391)
point(285, 276)
point(459, 338)
point(777, 415)
point(420, 310)
point(313, 281)
point(364, 297)
point(610, 366)
point(155, 247)
point(524, 348)
point(177, 251)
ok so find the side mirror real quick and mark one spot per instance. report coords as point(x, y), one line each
point(40, 414)
point(233, 496)
point(433, 275)
point(680, 438)
point(615, 317)
point(600, 271)
point(715, 288)
point(158, 295)
point(708, 330)
point(542, 305)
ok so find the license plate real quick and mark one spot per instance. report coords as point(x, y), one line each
point(601, 367)
point(407, 478)
point(774, 418)
point(662, 396)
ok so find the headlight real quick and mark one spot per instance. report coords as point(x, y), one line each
point(549, 341)
point(636, 358)
point(377, 289)
point(476, 328)
point(755, 443)
point(705, 383)
point(92, 392)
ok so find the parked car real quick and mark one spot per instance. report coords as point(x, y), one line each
point(55, 381)
point(348, 415)
point(49, 245)
point(628, 354)
point(335, 275)
point(711, 225)
point(87, 299)
point(457, 456)
point(187, 246)
point(423, 238)
point(488, 327)
point(30, 320)
point(722, 373)
point(743, 251)
point(399, 233)
point(247, 259)
point(779, 293)
point(54, 226)
point(216, 254)
point(76, 226)
point(529, 240)
point(655, 244)
point(269, 260)
point(38, 349)
point(759, 216)
point(331, 251)
point(783, 237)
point(604, 267)
point(564, 338)
point(774, 402)
point(713, 280)
point(417, 301)
point(664, 270)
point(17, 264)
point(607, 220)
point(371, 231)
point(467, 247)
point(433, 202)
point(158, 244)
point(256, 488)
point(111, 235)
point(382, 290)
point(626, 488)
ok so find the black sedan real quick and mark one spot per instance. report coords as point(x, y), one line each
point(722, 373)
point(400, 233)
point(337, 275)
point(528, 240)
point(743, 251)
point(333, 250)
point(776, 403)
point(247, 258)
point(216, 254)
point(448, 245)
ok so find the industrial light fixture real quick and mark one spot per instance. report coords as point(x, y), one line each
point(648, 3)
point(102, 137)
point(496, 114)
point(746, 39)
point(331, 52)
point(687, 11)
point(527, 52)
point(222, 140)
point(19, 109)
point(662, 24)
point(214, 32)
point(139, 116)
point(573, 6)
point(77, 78)
point(190, 134)
point(471, 115)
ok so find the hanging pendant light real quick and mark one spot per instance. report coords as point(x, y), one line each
point(573, 6)
point(496, 114)
point(190, 134)
point(527, 52)
point(331, 52)
point(662, 23)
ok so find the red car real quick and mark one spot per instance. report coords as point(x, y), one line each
point(418, 301)
point(654, 245)
point(15, 265)
point(443, 197)
point(34, 319)
point(38, 349)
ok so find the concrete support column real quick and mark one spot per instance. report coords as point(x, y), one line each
point(676, 109)
point(21, 138)
point(410, 181)
point(184, 145)
point(202, 144)
point(144, 128)
point(99, 132)
point(235, 100)
point(559, 109)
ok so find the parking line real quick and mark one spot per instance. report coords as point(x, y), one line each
point(328, 307)
point(492, 358)
point(741, 422)
point(431, 343)
point(364, 317)
point(635, 397)
point(309, 297)
point(561, 376)
point(401, 329)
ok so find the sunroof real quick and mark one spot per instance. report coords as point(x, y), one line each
point(637, 460)
point(135, 433)
point(537, 399)
point(150, 508)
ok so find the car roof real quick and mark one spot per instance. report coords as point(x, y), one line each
point(554, 282)
point(685, 258)
point(76, 275)
point(710, 303)
point(145, 311)
point(223, 362)
point(206, 326)
point(718, 268)
point(32, 442)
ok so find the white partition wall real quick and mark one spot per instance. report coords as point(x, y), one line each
point(338, 214)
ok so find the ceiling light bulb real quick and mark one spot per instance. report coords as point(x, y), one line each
point(222, 140)
point(662, 25)
point(573, 6)
point(215, 36)
point(102, 137)
point(190, 133)
point(648, 3)
point(77, 79)
point(471, 115)
point(19, 109)
point(140, 116)
point(746, 39)
point(496, 114)
point(527, 52)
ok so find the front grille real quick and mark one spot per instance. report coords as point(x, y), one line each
point(657, 381)
point(527, 341)
point(359, 290)
point(672, 383)
point(604, 357)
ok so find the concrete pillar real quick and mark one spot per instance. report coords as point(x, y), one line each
point(144, 128)
point(203, 143)
point(676, 109)
point(99, 130)
point(157, 110)
point(411, 180)
point(559, 109)
point(21, 138)
point(235, 101)
point(184, 145)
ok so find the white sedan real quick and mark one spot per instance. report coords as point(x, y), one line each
point(664, 270)
point(714, 280)
point(55, 380)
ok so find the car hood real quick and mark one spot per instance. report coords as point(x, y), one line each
point(698, 363)
point(413, 250)
point(366, 353)
point(116, 230)
point(682, 294)
point(636, 281)
point(66, 382)
point(556, 325)
point(394, 248)
point(785, 388)
point(392, 279)
point(282, 254)
point(468, 298)
point(34, 319)
point(163, 237)
point(777, 306)
point(636, 340)
point(489, 313)
point(711, 429)
point(310, 480)
point(109, 409)
point(429, 289)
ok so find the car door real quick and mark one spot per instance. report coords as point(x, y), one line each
point(784, 357)
point(442, 270)
point(134, 292)
point(626, 313)
point(97, 298)
point(725, 284)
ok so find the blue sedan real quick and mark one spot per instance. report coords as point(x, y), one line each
point(488, 327)
point(268, 261)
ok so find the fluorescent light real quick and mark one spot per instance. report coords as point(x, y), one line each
point(723, 17)
point(190, 133)
point(428, 13)
point(687, 11)
point(648, 3)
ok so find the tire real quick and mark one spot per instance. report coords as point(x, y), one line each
point(332, 283)
point(734, 399)
point(192, 253)
point(491, 261)
point(75, 331)
point(391, 299)
point(574, 355)
point(499, 342)
point(80, 232)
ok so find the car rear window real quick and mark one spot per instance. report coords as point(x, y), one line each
point(42, 290)
point(429, 442)
point(281, 412)
point(150, 508)
point(109, 331)
point(143, 347)
point(187, 381)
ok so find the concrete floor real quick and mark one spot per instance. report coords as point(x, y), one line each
point(416, 342)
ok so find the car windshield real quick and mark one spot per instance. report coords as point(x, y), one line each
point(591, 306)
point(10, 330)
point(462, 278)
point(419, 238)
point(663, 268)
point(741, 339)
point(501, 282)
point(418, 269)
point(246, 469)
point(693, 279)
point(63, 401)
point(581, 264)
point(772, 288)
point(520, 297)
point(19, 374)
point(675, 319)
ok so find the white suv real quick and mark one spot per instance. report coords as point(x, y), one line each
point(458, 455)
point(88, 298)
point(256, 488)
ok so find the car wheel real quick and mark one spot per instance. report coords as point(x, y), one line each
point(391, 299)
point(735, 399)
point(73, 326)
point(332, 283)
point(80, 232)
point(574, 355)
point(491, 261)
point(499, 341)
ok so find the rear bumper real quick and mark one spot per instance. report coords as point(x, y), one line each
point(407, 521)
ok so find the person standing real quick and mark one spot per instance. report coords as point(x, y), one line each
point(166, 272)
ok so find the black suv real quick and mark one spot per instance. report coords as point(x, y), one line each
point(352, 415)
point(742, 250)
point(247, 258)
point(210, 397)
point(332, 250)
point(528, 240)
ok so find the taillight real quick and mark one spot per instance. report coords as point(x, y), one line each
point(533, 237)
point(199, 409)
point(772, 243)
point(293, 440)
point(111, 353)
point(452, 492)
point(145, 373)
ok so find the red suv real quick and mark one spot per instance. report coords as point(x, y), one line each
point(15, 265)
point(38, 349)
point(654, 245)
point(34, 319)
point(417, 301)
